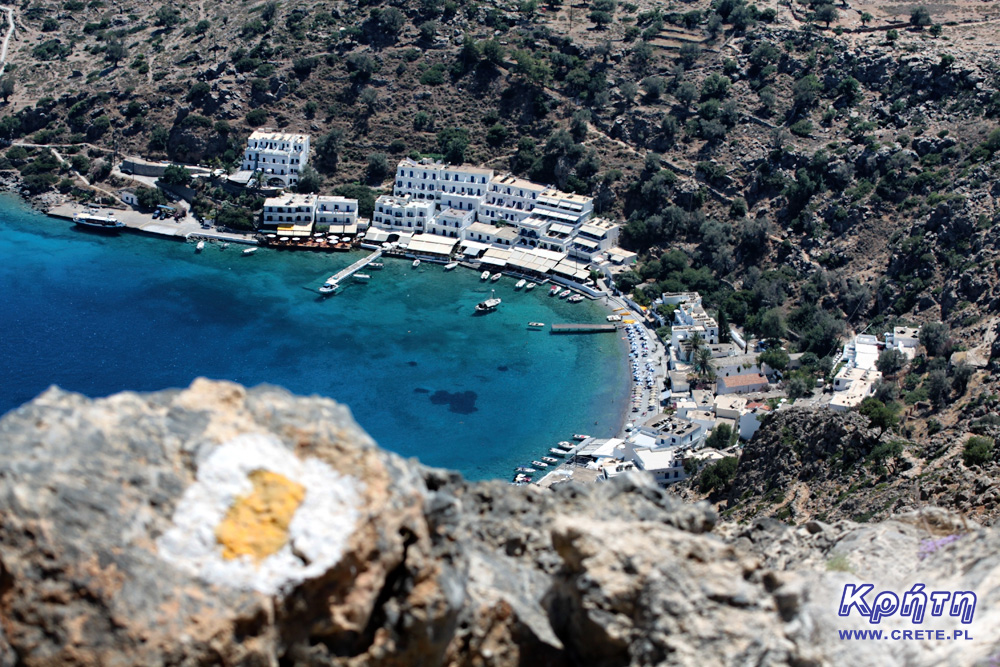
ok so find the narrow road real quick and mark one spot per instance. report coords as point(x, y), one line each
point(6, 37)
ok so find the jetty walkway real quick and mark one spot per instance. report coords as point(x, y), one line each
point(357, 266)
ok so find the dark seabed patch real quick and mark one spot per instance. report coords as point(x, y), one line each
point(462, 402)
point(411, 363)
point(421, 390)
point(502, 368)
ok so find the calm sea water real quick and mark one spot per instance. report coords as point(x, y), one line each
point(101, 314)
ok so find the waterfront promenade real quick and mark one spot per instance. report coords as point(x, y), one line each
point(144, 222)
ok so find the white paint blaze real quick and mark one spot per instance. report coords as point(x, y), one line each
point(317, 535)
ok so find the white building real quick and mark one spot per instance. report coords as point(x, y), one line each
point(668, 431)
point(690, 318)
point(461, 187)
point(593, 238)
point(483, 233)
point(339, 214)
point(280, 156)
point(451, 222)
point(848, 375)
point(666, 465)
point(729, 406)
point(741, 384)
point(402, 213)
point(509, 199)
point(289, 215)
point(741, 364)
point(751, 419)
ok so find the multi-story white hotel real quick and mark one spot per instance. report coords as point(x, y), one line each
point(453, 186)
point(451, 223)
point(278, 155)
point(402, 213)
point(295, 214)
point(509, 199)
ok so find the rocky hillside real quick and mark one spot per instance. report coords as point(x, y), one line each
point(217, 525)
point(807, 464)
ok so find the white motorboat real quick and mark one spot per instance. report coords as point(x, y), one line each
point(565, 293)
point(329, 287)
point(489, 305)
point(539, 464)
point(558, 451)
point(550, 460)
point(200, 246)
point(223, 245)
point(576, 298)
point(578, 436)
point(496, 276)
point(554, 290)
point(450, 266)
point(485, 275)
point(361, 277)
point(536, 325)
point(520, 283)
point(416, 263)
point(530, 287)
point(376, 266)
point(249, 251)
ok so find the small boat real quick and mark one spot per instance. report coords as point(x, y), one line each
point(576, 298)
point(450, 266)
point(536, 325)
point(554, 290)
point(559, 451)
point(549, 459)
point(361, 277)
point(565, 444)
point(376, 266)
point(496, 276)
point(416, 263)
point(527, 469)
point(200, 246)
point(539, 464)
point(520, 283)
point(530, 287)
point(577, 436)
point(249, 251)
point(329, 287)
point(93, 219)
point(489, 305)
point(485, 275)
point(565, 293)
point(614, 318)
point(224, 245)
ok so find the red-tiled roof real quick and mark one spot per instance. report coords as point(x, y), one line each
point(743, 380)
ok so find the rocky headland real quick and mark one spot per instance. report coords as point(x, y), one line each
point(223, 526)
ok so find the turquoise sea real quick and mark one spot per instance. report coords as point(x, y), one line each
point(424, 376)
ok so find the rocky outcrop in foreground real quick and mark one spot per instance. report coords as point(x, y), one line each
point(218, 525)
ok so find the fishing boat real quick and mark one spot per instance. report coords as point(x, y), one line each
point(450, 266)
point(376, 266)
point(361, 277)
point(539, 464)
point(329, 287)
point(489, 305)
point(249, 251)
point(496, 276)
point(576, 298)
point(530, 287)
point(565, 293)
point(536, 325)
point(416, 263)
point(485, 275)
point(93, 219)
point(520, 283)
point(554, 290)
point(550, 460)
point(200, 246)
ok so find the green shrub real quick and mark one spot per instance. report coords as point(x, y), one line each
point(256, 117)
point(977, 451)
point(718, 475)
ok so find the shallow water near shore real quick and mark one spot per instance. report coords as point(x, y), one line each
point(423, 375)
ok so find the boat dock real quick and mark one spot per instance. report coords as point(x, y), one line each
point(583, 328)
point(357, 266)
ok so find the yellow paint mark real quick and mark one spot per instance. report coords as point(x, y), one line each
point(257, 524)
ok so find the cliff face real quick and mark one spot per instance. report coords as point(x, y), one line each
point(217, 525)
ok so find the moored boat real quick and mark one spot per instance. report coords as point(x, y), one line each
point(450, 265)
point(249, 251)
point(416, 263)
point(376, 266)
point(496, 276)
point(200, 246)
point(489, 305)
point(576, 298)
point(558, 451)
point(329, 287)
point(527, 469)
point(578, 436)
point(520, 283)
point(485, 275)
point(539, 464)
point(93, 219)
point(549, 459)
point(536, 325)
point(530, 287)
point(565, 293)
point(554, 290)
point(361, 277)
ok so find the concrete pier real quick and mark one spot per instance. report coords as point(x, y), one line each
point(144, 222)
point(583, 328)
